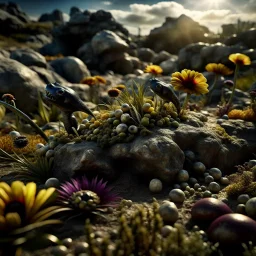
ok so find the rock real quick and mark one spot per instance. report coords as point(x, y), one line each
point(141, 157)
point(51, 49)
point(169, 66)
point(72, 35)
point(105, 41)
point(4, 53)
point(86, 54)
point(175, 33)
point(71, 68)
point(40, 39)
point(28, 57)
point(9, 23)
point(49, 76)
point(161, 56)
point(79, 18)
point(15, 10)
point(74, 10)
point(56, 15)
point(23, 83)
point(247, 38)
point(145, 54)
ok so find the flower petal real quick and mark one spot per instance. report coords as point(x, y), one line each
point(30, 193)
point(13, 220)
point(17, 190)
point(4, 196)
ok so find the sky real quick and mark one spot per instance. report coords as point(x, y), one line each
point(148, 14)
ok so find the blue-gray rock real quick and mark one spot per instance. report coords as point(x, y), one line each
point(71, 68)
point(28, 57)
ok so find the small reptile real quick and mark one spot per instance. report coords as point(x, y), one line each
point(165, 91)
point(68, 102)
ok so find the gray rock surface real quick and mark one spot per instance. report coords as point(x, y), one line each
point(175, 33)
point(28, 57)
point(71, 68)
point(160, 155)
point(106, 41)
point(56, 15)
point(169, 66)
point(146, 54)
point(9, 23)
point(22, 82)
point(160, 57)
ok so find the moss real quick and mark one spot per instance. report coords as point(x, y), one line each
point(222, 134)
point(241, 183)
point(140, 234)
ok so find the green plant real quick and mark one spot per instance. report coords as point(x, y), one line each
point(26, 118)
point(135, 98)
point(46, 113)
point(39, 169)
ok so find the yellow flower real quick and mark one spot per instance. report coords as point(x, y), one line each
point(100, 79)
point(21, 205)
point(114, 92)
point(239, 59)
point(153, 69)
point(189, 81)
point(120, 87)
point(89, 80)
point(218, 69)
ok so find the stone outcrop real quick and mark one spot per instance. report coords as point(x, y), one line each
point(22, 82)
point(56, 15)
point(175, 33)
point(160, 154)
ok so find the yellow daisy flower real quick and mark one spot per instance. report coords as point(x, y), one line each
point(89, 80)
point(218, 69)
point(120, 87)
point(153, 69)
point(189, 81)
point(21, 205)
point(239, 59)
point(100, 79)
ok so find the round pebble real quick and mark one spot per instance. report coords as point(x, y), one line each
point(118, 113)
point(208, 179)
point(214, 187)
point(207, 193)
point(224, 181)
point(190, 155)
point(81, 247)
point(52, 183)
point(169, 212)
point(240, 208)
point(176, 186)
point(49, 153)
point(215, 173)
point(121, 128)
point(155, 185)
point(67, 242)
point(250, 207)
point(59, 250)
point(192, 181)
point(182, 176)
point(183, 185)
point(197, 186)
point(14, 134)
point(199, 167)
point(166, 230)
point(243, 198)
point(252, 163)
point(203, 188)
point(177, 195)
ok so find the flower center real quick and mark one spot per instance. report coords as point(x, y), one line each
point(85, 199)
point(16, 206)
point(189, 84)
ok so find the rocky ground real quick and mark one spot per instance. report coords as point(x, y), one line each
point(50, 50)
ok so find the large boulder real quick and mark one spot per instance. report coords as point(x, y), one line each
point(160, 154)
point(71, 68)
point(15, 10)
point(9, 23)
point(82, 27)
point(56, 15)
point(146, 54)
point(22, 82)
point(176, 33)
point(106, 41)
point(28, 57)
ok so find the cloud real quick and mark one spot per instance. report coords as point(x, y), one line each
point(148, 17)
point(106, 3)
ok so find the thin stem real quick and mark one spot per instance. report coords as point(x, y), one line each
point(185, 103)
point(213, 88)
point(234, 86)
point(26, 118)
point(17, 117)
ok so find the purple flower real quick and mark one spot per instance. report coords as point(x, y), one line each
point(87, 196)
